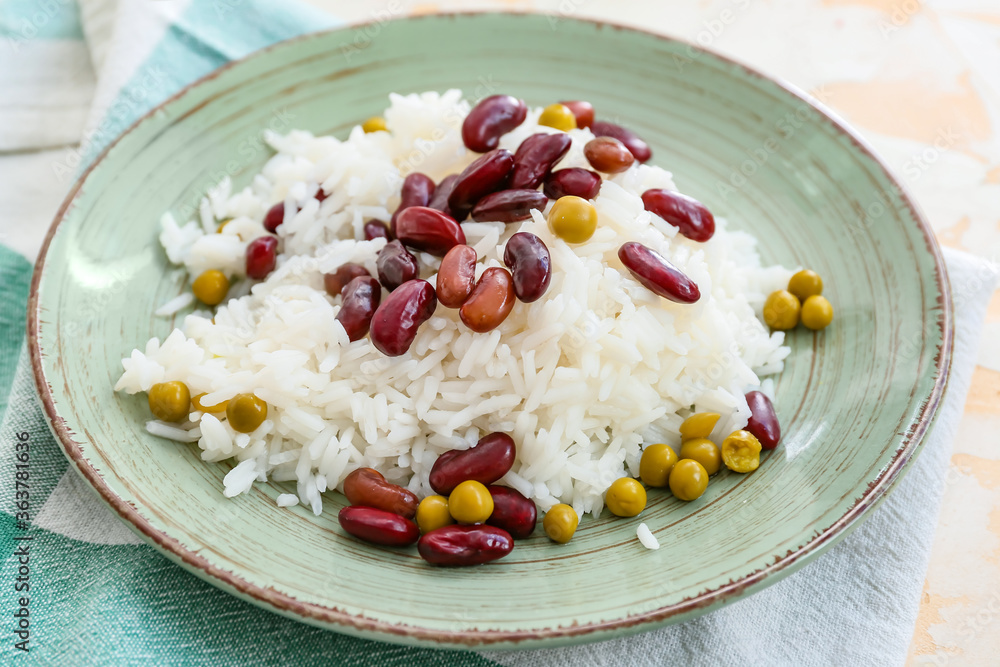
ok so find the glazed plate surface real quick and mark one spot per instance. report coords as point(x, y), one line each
point(854, 401)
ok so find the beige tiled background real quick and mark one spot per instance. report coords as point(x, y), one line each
point(921, 80)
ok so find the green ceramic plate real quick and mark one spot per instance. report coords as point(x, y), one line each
point(855, 401)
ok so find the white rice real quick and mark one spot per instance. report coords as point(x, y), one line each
point(646, 537)
point(580, 379)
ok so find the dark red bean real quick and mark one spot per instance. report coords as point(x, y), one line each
point(457, 546)
point(487, 462)
point(396, 265)
point(685, 213)
point(582, 111)
point(367, 487)
point(396, 321)
point(530, 265)
point(320, 195)
point(378, 526)
point(262, 256)
point(576, 182)
point(657, 274)
point(491, 119)
point(512, 512)
point(440, 199)
point(639, 148)
point(361, 297)
point(376, 229)
point(274, 217)
point(608, 155)
point(490, 302)
point(763, 421)
point(429, 230)
point(417, 190)
point(535, 158)
point(336, 282)
point(487, 174)
point(509, 205)
point(457, 276)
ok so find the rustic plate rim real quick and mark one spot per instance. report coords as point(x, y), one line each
point(361, 625)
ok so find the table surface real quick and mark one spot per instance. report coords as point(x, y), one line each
point(920, 80)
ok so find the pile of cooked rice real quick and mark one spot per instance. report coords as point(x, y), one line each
point(580, 378)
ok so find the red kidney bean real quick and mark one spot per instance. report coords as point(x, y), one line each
point(763, 421)
point(457, 276)
point(378, 526)
point(456, 545)
point(490, 119)
point(417, 190)
point(608, 155)
point(576, 182)
point(490, 302)
point(262, 256)
point(583, 111)
point(685, 213)
point(487, 174)
point(336, 282)
point(429, 230)
point(274, 217)
point(509, 205)
point(487, 462)
point(639, 148)
point(376, 229)
point(535, 158)
point(320, 195)
point(440, 199)
point(657, 274)
point(396, 321)
point(512, 512)
point(367, 486)
point(361, 298)
point(530, 265)
point(396, 265)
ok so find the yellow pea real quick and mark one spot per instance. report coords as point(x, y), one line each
point(699, 425)
point(656, 463)
point(470, 502)
point(741, 451)
point(817, 313)
point(625, 497)
point(432, 513)
point(169, 401)
point(705, 452)
point(558, 116)
point(781, 310)
point(374, 124)
point(560, 523)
